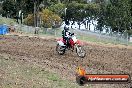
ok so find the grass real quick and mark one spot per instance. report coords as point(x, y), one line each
point(51, 32)
point(16, 74)
point(90, 38)
point(7, 21)
point(130, 43)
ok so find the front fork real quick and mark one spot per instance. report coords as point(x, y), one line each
point(76, 47)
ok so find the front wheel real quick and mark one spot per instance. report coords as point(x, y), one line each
point(60, 49)
point(80, 51)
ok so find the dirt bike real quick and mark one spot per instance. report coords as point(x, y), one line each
point(73, 43)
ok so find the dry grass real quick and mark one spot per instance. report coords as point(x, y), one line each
point(15, 74)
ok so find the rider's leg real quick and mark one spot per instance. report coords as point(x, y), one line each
point(64, 39)
point(72, 43)
point(67, 42)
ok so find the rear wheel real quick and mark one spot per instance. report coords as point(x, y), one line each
point(80, 51)
point(60, 49)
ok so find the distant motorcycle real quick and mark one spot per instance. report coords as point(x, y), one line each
point(73, 43)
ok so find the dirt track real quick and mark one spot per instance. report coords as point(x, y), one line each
point(99, 59)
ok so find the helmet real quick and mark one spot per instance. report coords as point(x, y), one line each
point(66, 28)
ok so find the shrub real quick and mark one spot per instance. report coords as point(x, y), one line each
point(46, 18)
point(29, 20)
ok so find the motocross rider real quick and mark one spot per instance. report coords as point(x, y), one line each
point(65, 34)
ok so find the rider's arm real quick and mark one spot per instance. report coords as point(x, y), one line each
point(70, 33)
point(63, 33)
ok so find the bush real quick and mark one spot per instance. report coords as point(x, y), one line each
point(49, 19)
point(46, 19)
point(29, 20)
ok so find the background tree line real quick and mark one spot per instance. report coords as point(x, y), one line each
point(114, 14)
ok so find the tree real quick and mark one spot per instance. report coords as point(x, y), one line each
point(120, 13)
point(58, 8)
point(1, 8)
point(47, 19)
point(115, 15)
point(29, 20)
point(9, 9)
point(81, 12)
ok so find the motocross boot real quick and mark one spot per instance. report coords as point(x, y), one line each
point(68, 45)
point(72, 48)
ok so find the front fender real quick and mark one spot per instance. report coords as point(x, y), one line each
point(79, 43)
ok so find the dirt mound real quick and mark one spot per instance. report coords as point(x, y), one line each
point(99, 59)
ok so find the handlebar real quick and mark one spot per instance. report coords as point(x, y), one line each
point(72, 34)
